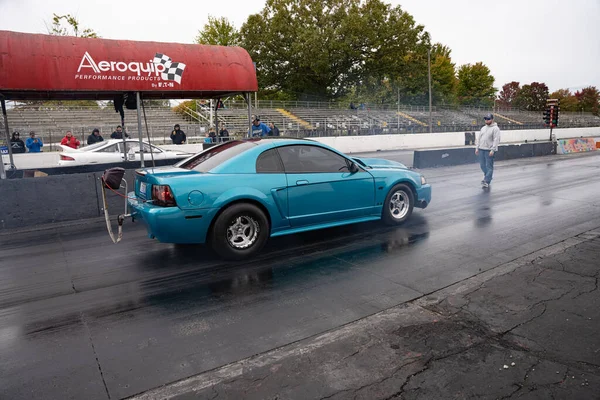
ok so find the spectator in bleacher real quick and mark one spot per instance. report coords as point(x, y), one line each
point(70, 141)
point(274, 129)
point(212, 134)
point(16, 144)
point(259, 128)
point(223, 133)
point(95, 137)
point(486, 146)
point(177, 135)
point(118, 134)
point(33, 143)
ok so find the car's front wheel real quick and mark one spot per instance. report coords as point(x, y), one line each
point(239, 232)
point(399, 204)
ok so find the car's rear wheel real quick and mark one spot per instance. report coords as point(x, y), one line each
point(399, 204)
point(239, 232)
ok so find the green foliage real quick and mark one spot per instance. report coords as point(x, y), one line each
point(220, 32)
point(181, 108)
point(475, 85)
point(443, 76)
point(508, 94)
point(67, 25)
point(319, 50)
point(532, 97)
point(588, 100)
point(568, 101)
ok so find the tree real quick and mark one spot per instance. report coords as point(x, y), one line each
point(568, 101)
point(443, 76)
point(532, 97)
point(315, 49)
point(71, 28)
point(475, 85)
point(220, 32)
point(508, 94)
point(588, 99)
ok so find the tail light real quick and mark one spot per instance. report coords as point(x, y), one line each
point(163, 196)
point(66, 158)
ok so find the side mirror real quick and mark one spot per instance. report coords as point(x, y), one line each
point(354, 168)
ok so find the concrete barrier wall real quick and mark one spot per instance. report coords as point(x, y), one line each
point(38, 201)
point(466, 155)
point(356, 144)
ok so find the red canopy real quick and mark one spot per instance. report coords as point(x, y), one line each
point(34, 66)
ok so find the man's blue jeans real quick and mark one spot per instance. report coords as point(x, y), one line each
point(486, 162)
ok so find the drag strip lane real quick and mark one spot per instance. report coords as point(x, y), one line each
point(143, 313)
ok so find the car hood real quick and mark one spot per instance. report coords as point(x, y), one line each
point(380, 163)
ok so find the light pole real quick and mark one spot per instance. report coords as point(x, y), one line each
point(429, 69)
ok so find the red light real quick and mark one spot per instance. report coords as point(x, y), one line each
point(163, 196)
point(66, 158)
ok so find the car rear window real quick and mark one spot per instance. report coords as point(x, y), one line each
point(214, 156)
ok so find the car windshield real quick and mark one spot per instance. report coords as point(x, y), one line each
point(214, 156)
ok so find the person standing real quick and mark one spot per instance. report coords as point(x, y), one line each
point(16, 144)
point(70, 141)
point(259, 129)
point(223, 133)
point(177, 135)
point(274, 129)
point(33, 143)
point(95, 137)
point(486, 147)
point(118, 134)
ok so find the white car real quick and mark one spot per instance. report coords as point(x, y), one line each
point(111, 151)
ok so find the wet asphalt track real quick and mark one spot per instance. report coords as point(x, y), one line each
point(83, 318)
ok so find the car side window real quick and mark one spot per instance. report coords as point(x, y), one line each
point(110, 149)
point(269, 162)
point(302, 158)
point(135, 147)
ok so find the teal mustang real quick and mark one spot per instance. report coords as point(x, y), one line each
point(236, 195)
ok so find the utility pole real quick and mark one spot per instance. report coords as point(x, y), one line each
point(429, 68)
point(398, 113)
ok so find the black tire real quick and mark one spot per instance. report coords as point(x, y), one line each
point(249, 237)
point(391, 213)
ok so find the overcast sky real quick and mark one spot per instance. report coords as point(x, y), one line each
point(511, 37)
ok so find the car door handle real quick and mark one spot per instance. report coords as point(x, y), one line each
point(302, 182)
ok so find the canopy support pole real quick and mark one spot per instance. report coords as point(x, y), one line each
point(248, 99)
point(139, 118)
point(217, 119)
point(7, 130)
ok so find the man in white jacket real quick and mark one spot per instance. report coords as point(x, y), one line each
point(486, 146)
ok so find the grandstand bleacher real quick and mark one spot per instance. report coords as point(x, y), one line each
point(296, 119)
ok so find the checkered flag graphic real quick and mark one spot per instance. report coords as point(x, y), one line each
point(173, 70)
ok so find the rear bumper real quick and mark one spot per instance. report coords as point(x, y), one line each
point(171, 224)
point(423, 196)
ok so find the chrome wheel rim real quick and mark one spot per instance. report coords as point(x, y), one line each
point(242, 232)
point(399, 203)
